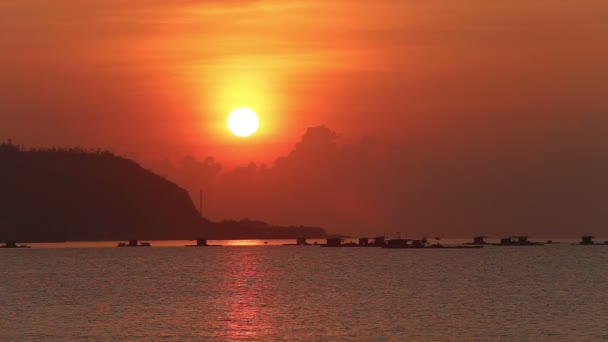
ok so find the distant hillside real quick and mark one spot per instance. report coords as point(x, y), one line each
point(78, 195)
point(246, 229)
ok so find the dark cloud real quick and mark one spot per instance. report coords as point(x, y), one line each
point(510, 182)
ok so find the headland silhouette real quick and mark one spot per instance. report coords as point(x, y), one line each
point(55, 194)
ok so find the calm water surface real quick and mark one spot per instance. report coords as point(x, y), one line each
point(556, 292)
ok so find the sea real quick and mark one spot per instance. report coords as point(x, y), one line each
point(255, 290)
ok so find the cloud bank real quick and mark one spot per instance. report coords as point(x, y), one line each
point(545, 180)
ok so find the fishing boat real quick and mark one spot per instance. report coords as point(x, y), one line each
point(301, 241)
point(378, 241)
point(405, 243)
point(518, 241)
point(587, 240)
point(338, 242)
point(202, 243)
point(421, 244)
point(478, 241)
point(13, 244)
point(134, 243)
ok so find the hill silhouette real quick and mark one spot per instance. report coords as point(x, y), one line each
point(82, 195)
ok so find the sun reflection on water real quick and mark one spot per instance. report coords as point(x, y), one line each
point(246, 299)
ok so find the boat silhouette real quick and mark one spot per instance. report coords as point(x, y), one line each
point(421, 244)
point(518, 241)
point(301, 241)
point(134, 243)
point(587, 240)
point(398, 243)
point(378, 241)
point(13, 244)
point(363, 242)
point(338, 242)
point(478, 241)
point(202, 243)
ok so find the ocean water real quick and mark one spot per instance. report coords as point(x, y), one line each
point(271, 292)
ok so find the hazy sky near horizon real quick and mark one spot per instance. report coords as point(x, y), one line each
point(156, 79)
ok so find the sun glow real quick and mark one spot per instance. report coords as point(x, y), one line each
point(243, 122)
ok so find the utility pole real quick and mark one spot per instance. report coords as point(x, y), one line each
point(200, 203)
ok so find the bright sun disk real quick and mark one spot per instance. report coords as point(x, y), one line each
point(243, 122)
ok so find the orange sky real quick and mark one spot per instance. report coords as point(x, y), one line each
point(147, 76)
point(155, 79)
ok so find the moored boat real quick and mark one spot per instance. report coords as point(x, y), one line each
point(301, 241)
point(378, 241)
point(477, 241)
point(338, 242)
point(587, 240)
point(405, 243)
point(202, 243)
point(134, 243)
point(421, 244)
point(13, 244)
point(518, 241)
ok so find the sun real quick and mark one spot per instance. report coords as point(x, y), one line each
point(243, 122)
